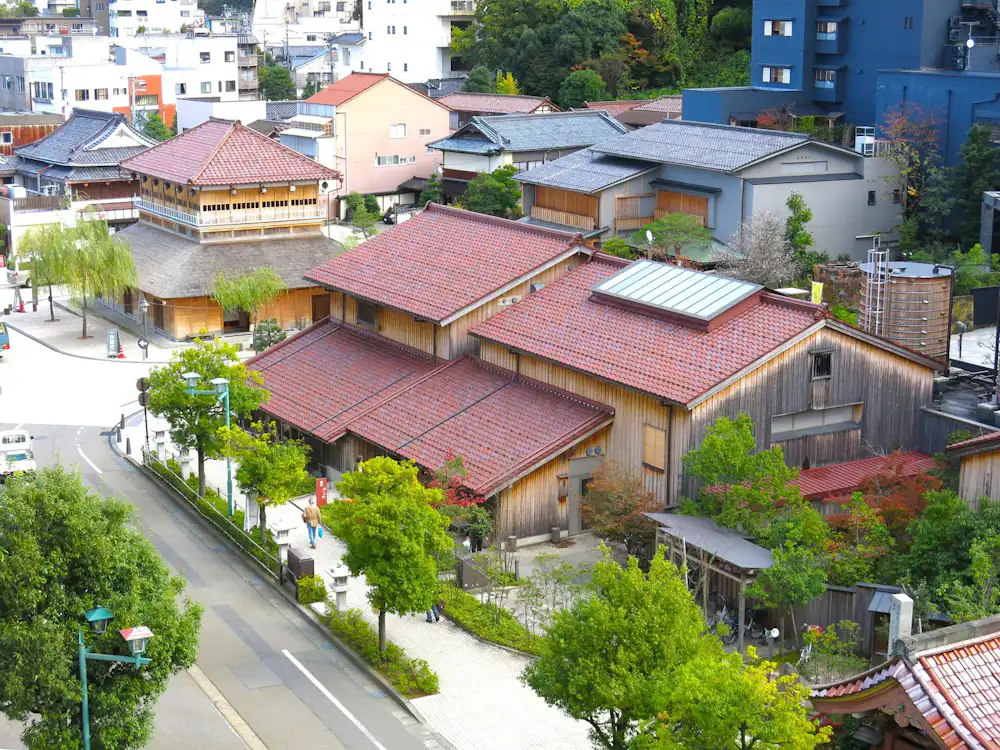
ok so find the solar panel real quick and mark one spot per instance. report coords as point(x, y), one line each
point(672, 289)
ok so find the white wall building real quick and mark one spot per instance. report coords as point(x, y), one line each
point(192, 65)
point(278, 24)
point(155, 16)
point(195, 111)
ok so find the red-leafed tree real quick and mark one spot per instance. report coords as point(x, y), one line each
point(449, 478)
point(614, 506)
point(898, 494)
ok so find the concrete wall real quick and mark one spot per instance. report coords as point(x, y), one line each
point(191, 112)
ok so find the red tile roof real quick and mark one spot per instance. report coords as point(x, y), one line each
point(330, 373)
point(842, 479)
point(442, 261)
point(564, 324)
point(985, 442)
point(501, 425)
point(220, 152)
point(614, 108)
point(497, 104)
point(347, 88)
point(668, 104)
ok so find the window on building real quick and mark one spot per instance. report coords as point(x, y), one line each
point(142, 13)
point(775, 74)
point(6, 138)
point(206, 87)
point(394, 160)
point(367, 313)
point(397, 131)
point(907, 22)
point(425, 131)
point(871, 198)
point(230, 85)
point(324, 7)
point(816, 422)
point(825, 78)
point(206, 57)
point(388, 29)
point(100, 93)
point(180, 88)
point(822, 365)
point(826, 31)
point(8, 83)
point(388, 67)
point(77, 28)
point(185, 14)
point(147, 100)
point(310, 37)
point(230, 56)
point(82, 95)
point(777, 28)
point(404, 29)
point(362, 66)
point(124, 14)
point(369, 4)
point(369, 36)
point(341, 7)
point(347, 57)
point(19, 81)
point(100, 6)
point(654, 447)
point(406, 67)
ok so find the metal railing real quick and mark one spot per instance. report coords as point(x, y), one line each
point(463, 7)
point(41, 203)
point(247, 60)
point(233, 216)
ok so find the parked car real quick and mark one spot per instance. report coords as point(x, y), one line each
point(19, 273)
point(400, 212)
point(4, 340)
point(16, 455)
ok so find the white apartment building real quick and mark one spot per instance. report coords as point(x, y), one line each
point(280, 24)
point(411, 40)
point(192, 65)
point(129, 18)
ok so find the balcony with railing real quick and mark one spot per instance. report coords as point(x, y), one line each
point(247, 61)
point(233, 216)
point(565, 218)
point(458, 8)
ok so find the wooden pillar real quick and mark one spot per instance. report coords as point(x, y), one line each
point(742, 613)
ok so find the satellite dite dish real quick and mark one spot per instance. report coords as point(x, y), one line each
point(649, 237)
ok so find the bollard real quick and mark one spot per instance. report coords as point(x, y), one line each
point(128, 446)
point(122, 423)
point(555, 535)
point(512, 543)
point(517, 569)
point(118, 434)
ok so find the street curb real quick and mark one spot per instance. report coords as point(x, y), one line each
point(57, 350)
point(236, 722)
point(306, 613)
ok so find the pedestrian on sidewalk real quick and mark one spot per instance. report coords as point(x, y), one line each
point(434, 613)
point(311, 516)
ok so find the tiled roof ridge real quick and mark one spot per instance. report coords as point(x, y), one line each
point(502, 96)
point(820, 310)
point(231, 128)
point(513, 224)
point(382, 76)
point(600, 256)
point(538, 384)
point(106, 133)
point(290, 339)
point(189, 130)
point(803, 137)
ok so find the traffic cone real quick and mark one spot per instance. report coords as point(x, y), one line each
point(20, 304)
point(121, 351)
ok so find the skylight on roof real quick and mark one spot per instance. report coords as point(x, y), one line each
point(675, 292)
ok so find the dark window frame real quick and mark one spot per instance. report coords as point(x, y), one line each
point(365, 307)
point(821, 365)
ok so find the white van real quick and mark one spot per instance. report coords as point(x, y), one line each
point(16, 456)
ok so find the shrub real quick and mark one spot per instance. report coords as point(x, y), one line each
point(481, 620)
point(371, 205)
point(733, 26)
point(310, 589)
point(412, 677)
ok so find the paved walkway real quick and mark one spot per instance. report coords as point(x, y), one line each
point(481, 704)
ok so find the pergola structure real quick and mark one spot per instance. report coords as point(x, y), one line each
point(716, 549)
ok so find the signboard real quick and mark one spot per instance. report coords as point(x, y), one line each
point(321, 492)
point(142, 385)
point(984, 305)
point(143, 399)
point(817, 292)
point(113, 342)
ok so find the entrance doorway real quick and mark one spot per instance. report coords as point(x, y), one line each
point(581, 476)
point(320, 307)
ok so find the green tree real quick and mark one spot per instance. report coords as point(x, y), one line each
point(276, 83)
point(64, 549)
point(173, 125)
point(195, 421)
point(506, 84)
point(798, 239)
point(672, 234)
point(366, 221)
point(155, 128)
point(270, 471)
point(97, 263)
point(496, 193)
point(47, 246)
point(371, 204)
point(309, 90)
point(613, 659)
point(795, 578)
point(613, 509)
point(431, 193)
point(733, 26)
point(393, 533)
point(248, 290)
point(619, 248)
point(480, 81)
point(267, 333)
point(977, 172)
point(582, 86)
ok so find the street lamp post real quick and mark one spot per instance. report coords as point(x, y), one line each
point(137, 638)
point(221, 392)
point(144, 308)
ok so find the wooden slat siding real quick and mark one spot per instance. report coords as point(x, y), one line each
point(937, 426)
point(660, 213)
point(23, 135)
point(187, 316)
point(672, 203)
point(632, 410)
point(567, 201)
point(563, 217)
point(917, 313)
point(835, 604)
point(892, 389)
point(980, 477)
point(844, 443)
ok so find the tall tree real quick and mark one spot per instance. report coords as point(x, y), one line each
point(582, 86)
point(912, 139)
point(977, 172)
point(798, 238)
point(270, 471)
point(196, 421)
point(393, 533)
point(47, 246)
point(496, 193)
point(97, 263)
point(64, 549)
point(431, 193)
point(248, 291)
point(506, 84)
point(480, 81)
point(156, 128)
point(276, 83)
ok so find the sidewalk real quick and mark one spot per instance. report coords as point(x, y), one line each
point(481, 704)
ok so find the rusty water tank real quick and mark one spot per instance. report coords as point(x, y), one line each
point(915, 304)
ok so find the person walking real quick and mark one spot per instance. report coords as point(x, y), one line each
point(433, 614)
point(311, 516)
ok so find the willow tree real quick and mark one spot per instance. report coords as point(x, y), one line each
point(248, 290)
point(47, 246)
point(97, 263)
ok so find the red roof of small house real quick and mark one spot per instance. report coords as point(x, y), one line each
point(501, 425)
point(443, 260)
point(329, 373)
point(495, 104)
point(841, 479)
point(221, 152)
point(666, 104)
point(616, 107)
point(347, 88)
point(947, 678)
point(566, 324)
point(986, 442)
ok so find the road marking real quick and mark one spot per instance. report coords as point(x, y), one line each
point(18, 427)
point(340, 706)
point(84, 457)
point(224, 707)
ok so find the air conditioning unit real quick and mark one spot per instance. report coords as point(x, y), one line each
point(508, 301)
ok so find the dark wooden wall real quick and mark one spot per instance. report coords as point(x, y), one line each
point(936, 427)
point(23, 135)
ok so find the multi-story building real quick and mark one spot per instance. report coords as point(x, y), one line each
point(282, 24)
point(48, 25)
point(22, 128)
point(130, 18)
point(854, 62)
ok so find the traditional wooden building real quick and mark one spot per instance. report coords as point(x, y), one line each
point(22, 128)
point(979, 467)
point(221, 197)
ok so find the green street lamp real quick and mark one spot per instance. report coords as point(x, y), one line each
point(220, 389)
point(136, 638)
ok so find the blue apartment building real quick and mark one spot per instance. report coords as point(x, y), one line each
point(854, 61)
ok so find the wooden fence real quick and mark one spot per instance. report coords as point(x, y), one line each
point(936, 427)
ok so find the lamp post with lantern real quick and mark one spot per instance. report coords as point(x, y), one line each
point(144, 309)
point(136, 638)
point(220, 389)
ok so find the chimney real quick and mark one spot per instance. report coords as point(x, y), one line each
point(900, 620)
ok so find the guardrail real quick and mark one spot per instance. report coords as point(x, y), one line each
point(234, 216)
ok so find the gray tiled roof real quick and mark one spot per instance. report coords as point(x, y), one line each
point(74, 142)
point(585, 171)
point(466, 145)
point(536, 132)
point(723, 148)
point(281, 110)
point(9, 163)
point(170, 266)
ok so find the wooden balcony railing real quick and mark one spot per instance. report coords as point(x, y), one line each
point(562, 217)
point(233, 216)
point(661, 212)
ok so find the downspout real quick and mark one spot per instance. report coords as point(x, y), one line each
point(947, 126)
point(670, 454)
point(343, 307)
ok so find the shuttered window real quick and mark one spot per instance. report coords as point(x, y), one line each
point(654, 447)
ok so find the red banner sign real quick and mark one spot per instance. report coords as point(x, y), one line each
point(321, 492)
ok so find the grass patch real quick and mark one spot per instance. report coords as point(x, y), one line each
point(412, 677)
point(484, 621)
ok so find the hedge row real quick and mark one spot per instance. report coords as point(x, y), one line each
point(481, 620)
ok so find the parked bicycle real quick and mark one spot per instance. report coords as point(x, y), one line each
point(724, 614)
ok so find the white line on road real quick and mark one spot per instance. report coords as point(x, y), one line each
point(340, 706)
point(84, 457)
point(19, 426)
